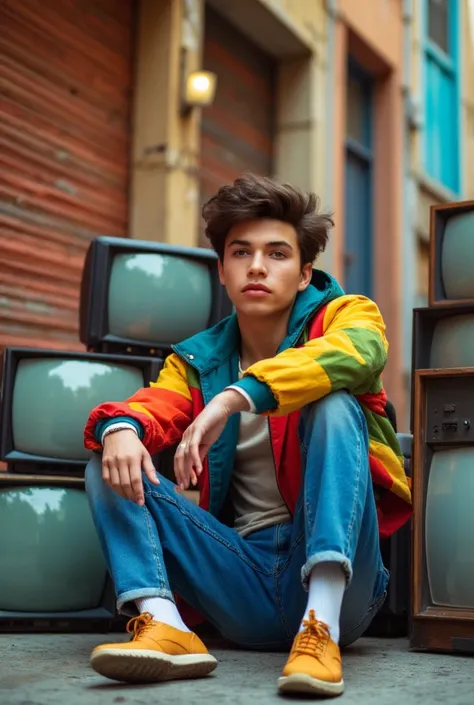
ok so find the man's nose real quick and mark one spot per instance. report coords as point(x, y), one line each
point(258, 263)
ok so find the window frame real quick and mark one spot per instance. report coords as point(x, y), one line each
point(449, 64)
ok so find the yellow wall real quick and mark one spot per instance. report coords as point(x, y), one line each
point(165, 166)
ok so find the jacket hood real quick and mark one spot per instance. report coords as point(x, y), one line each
point(214, 346)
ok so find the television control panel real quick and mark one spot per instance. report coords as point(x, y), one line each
point(450, 410)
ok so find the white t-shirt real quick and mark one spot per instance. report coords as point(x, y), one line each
point(255, 495)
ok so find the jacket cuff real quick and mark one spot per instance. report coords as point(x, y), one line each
point(119, 426)
point(259, 392)
point(101, 426)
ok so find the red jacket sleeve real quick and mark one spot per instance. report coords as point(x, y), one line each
point(163, 410)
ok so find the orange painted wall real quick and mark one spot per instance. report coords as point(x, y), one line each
point(379, 22)
point(371, 32)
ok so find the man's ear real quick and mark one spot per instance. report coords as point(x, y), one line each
point(305, 278)
point(220, 269)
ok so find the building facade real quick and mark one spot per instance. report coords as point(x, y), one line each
point(439, 132)
point(368, 103)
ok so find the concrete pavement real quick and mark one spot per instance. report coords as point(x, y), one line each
point(52, 669)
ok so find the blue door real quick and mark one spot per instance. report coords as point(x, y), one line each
point(358, 184)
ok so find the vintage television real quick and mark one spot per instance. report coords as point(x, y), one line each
point(443, 522)
point(53, 575)
point(143, 297)
point(443, 337)
point(47, 396)
point(452, 254)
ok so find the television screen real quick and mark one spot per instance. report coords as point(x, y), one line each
point(452, 344)
point(48, 396)
point(143, 297)
point(457, 256)
point(52, 563)
point(452, 253)
point(449, 526)
point(158, 297)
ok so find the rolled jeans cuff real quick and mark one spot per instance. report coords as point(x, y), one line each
point(326, 557)
point(124, 600)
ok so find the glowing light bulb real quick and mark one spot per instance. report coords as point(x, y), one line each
point(201, 83)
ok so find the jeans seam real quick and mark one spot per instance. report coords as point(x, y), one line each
point(209, 532)
point(159, 569)
point(276, 550)
point(355, 498)
point(276, 574)
point(293, 546)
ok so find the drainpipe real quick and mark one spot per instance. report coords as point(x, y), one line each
point(409, 237)
point(329, 186)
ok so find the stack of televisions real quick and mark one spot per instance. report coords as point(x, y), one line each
point(442, 607)
point(137, 299)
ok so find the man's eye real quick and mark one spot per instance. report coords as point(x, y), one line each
point(240, 253)
point(278, 254)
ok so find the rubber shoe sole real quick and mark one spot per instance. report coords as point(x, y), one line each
point(150, 666)
point(301, 684)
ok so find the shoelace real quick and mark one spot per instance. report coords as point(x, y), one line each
point(139, 625)
point(314, 637)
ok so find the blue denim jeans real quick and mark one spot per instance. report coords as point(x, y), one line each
point(254, 589)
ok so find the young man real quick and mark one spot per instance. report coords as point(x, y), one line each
point(279, 412)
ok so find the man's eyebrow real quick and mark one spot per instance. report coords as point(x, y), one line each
point(244, 243)
point(279, 243)
point(273, 243)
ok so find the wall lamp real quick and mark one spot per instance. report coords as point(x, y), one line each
point(198, 87)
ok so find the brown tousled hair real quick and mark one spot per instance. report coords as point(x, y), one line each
point(251, 197)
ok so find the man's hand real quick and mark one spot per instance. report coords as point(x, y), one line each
point(203, 433)
point(123, 460)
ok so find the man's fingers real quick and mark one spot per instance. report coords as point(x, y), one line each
point(125, 480)
point(178, 465)
point(114, 481)
point(114, 476)
point(136, 482)
point(105, 472)
point(194, 457)
point(149, 469)
point(186, 469)
point(191, 459)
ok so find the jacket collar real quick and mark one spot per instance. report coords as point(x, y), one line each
point(214, 346)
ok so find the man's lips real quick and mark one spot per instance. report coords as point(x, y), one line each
point(257, 287)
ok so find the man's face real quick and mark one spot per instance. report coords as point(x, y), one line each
point(262, 269)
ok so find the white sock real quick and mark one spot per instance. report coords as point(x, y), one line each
point(162, 610)
point(327, 584)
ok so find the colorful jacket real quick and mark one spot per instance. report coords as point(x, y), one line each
point(334, 342)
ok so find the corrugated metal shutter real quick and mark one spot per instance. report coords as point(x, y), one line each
point(238, 129)
point(66, 79)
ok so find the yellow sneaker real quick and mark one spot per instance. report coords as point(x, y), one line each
point(314, 664)
point(156, 652)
